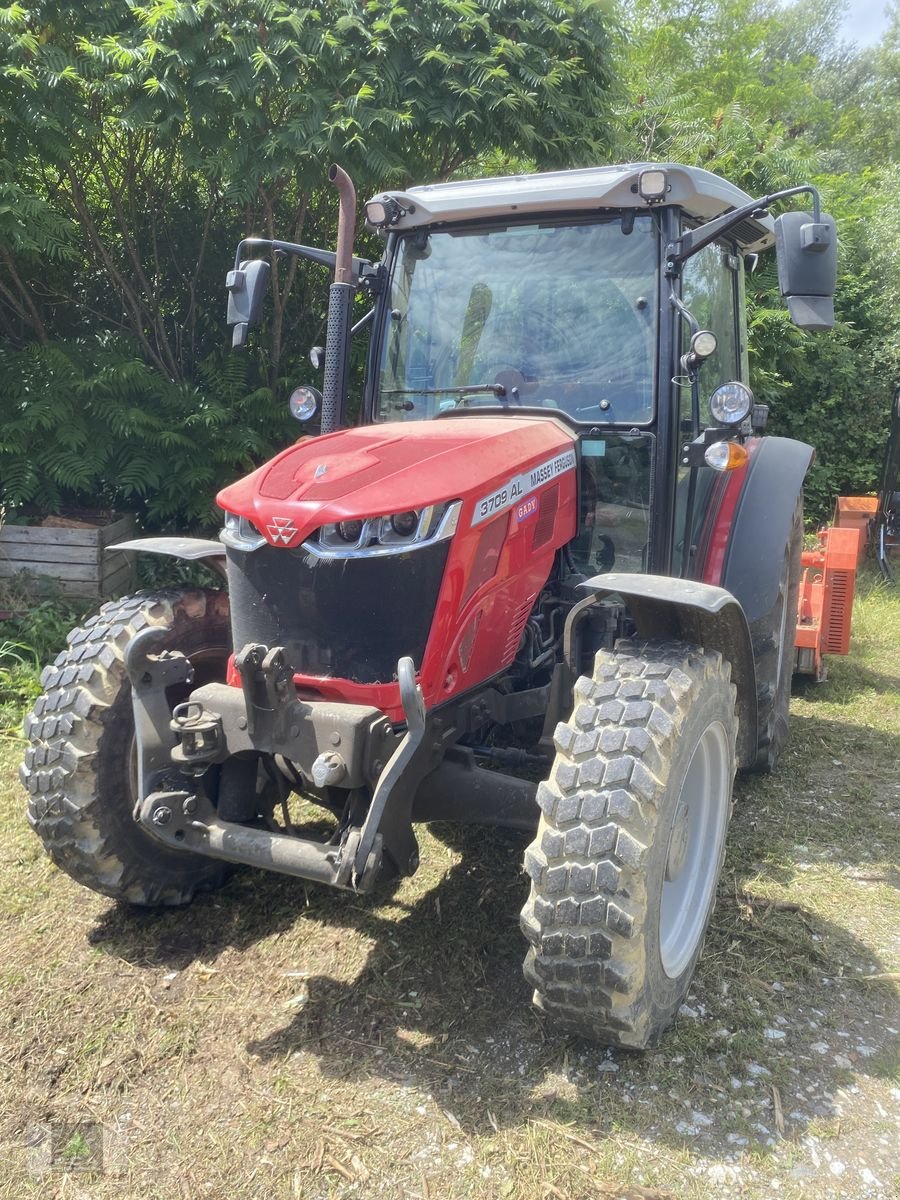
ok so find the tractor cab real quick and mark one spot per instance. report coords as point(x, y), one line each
point(610, 298)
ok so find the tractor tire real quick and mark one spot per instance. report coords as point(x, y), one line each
point(630, 841)
point(81, 768)
point(772, 637)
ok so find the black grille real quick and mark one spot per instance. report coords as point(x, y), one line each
point(345, 618)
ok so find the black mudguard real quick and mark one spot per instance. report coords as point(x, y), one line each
point(189, 549)
point(707, 616)
point(762, 524)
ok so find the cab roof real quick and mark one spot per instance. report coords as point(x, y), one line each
point(699, 193)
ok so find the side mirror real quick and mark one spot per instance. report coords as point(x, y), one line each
point(247, 287)
point(807, 267)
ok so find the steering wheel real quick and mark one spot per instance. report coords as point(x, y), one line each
point(513, 346)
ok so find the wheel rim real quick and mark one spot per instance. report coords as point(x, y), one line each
point(693, 851)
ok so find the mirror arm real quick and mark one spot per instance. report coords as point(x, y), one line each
point(363, 322)
point(325, 258)
point(697, 239)
point(690, 366)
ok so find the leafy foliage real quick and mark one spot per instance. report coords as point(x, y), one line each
point(764, 94)
point(31, 634)
point(98, 422)
point(139, 142)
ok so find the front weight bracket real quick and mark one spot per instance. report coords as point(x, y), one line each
point(151, 674)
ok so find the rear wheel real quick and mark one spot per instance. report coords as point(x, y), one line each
point(81, 768)
point(631, 841)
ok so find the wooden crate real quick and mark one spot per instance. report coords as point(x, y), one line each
point(72, 559)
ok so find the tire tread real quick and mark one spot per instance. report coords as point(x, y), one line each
point(584, 919)
point(66, 730)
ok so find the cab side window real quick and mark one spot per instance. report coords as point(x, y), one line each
point(710, 289)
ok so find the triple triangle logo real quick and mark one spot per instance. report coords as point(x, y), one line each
point(283, 530)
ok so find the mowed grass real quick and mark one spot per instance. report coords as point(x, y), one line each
point(280, 1041)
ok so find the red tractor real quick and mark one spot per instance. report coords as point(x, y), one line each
point(556, 538)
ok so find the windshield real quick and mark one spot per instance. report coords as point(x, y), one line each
point(556, 316)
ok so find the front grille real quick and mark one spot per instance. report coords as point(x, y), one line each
point(338, 618)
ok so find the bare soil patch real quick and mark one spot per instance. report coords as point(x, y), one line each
point(280, 1041)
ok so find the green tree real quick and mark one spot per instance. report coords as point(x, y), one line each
point(228, 114)
point(139, 142)
point(767, 96)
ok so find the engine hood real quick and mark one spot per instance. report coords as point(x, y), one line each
point(376, 470)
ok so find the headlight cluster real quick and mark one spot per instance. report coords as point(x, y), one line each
point(240, 534)
point(393, 533)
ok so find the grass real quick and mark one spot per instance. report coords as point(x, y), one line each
point(32, 631)
point(283, 1041)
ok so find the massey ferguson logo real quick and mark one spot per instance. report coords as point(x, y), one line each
point(282, 530)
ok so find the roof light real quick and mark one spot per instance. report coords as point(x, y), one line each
point(384, 212)
point(653, 185)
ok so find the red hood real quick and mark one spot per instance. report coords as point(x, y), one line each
point(380, 469)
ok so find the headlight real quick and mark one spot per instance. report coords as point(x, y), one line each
point(349, 531)
point(404, 524)
point(240, 534)
point(703, 344)
point(394, 533)
point(304, 402)
point(731, 403)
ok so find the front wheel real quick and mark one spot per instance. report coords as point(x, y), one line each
point(80, 770)
point(631, 841)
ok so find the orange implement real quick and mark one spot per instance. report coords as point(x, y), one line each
point(825, 603)
point(856, 512)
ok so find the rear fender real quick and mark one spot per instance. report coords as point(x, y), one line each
point(761, 525)
point(189, 549)
point(707, 616)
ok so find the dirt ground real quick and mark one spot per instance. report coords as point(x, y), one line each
point(279, 1041)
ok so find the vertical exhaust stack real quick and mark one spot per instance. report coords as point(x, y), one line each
point(340, 304)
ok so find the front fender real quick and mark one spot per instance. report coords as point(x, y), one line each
point(707, 616)
point(188, 548)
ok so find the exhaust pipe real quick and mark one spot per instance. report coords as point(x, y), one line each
point(340, 305)
point(343, 268)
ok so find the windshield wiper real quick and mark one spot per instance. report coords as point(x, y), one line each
point(474, 389)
